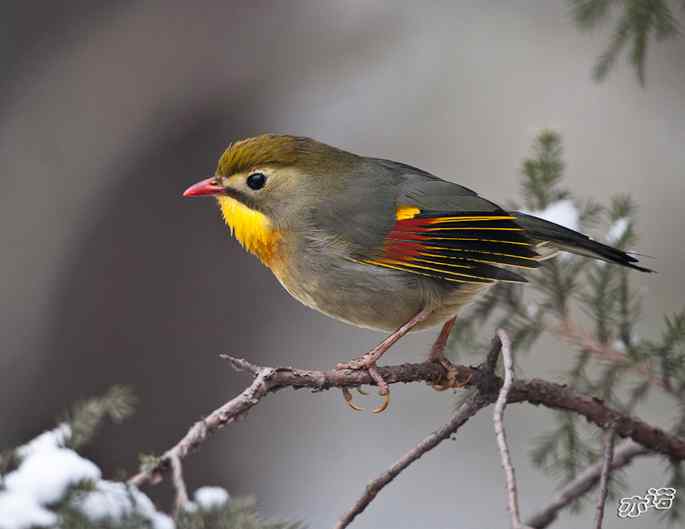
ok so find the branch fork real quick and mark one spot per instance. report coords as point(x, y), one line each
point(487, 386)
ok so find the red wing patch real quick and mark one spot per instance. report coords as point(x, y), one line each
point(463, 247)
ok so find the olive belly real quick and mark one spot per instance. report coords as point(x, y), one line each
point(374, 297)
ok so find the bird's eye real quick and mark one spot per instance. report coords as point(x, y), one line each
point(256, 181)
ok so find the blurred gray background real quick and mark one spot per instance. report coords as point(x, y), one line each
point(108, 110)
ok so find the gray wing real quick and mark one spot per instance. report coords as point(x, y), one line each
point(426, 190)
point(447, 231)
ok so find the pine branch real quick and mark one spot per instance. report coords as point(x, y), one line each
point(639, 20)
point(589, 13)
point(87, 416)
point(605, 295)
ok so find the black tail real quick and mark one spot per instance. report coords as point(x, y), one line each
point(571, 241)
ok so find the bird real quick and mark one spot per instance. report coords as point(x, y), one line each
point(376, 243)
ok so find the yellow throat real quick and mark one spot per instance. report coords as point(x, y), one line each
point(253, 229)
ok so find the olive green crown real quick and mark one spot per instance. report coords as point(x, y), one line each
point(278, 150)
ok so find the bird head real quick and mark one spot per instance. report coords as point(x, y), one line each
point(265, 184)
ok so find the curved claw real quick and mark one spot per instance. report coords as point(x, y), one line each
point(348, 400)
point(384, 405)
point(383, 389)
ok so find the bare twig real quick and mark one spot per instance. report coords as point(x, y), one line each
point(467, 410)
point(178, 481)
point(498, 417)
point(217, 419)
point(607, 457)
point(584, 482)
point(535, 391)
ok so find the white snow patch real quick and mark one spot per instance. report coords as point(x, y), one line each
point(211, 497)
point(563, 212)
point(22, 511)
point(162, 521)
point(46, 474)
point(115, 501)
point(617, 230)
point(109, 500)
point(47, 470)
point(56, 438)
point(190, 506)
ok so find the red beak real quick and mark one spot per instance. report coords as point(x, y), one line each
point(206, 187)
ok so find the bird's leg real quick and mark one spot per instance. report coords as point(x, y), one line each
point(455, 378)
point(368, 361)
